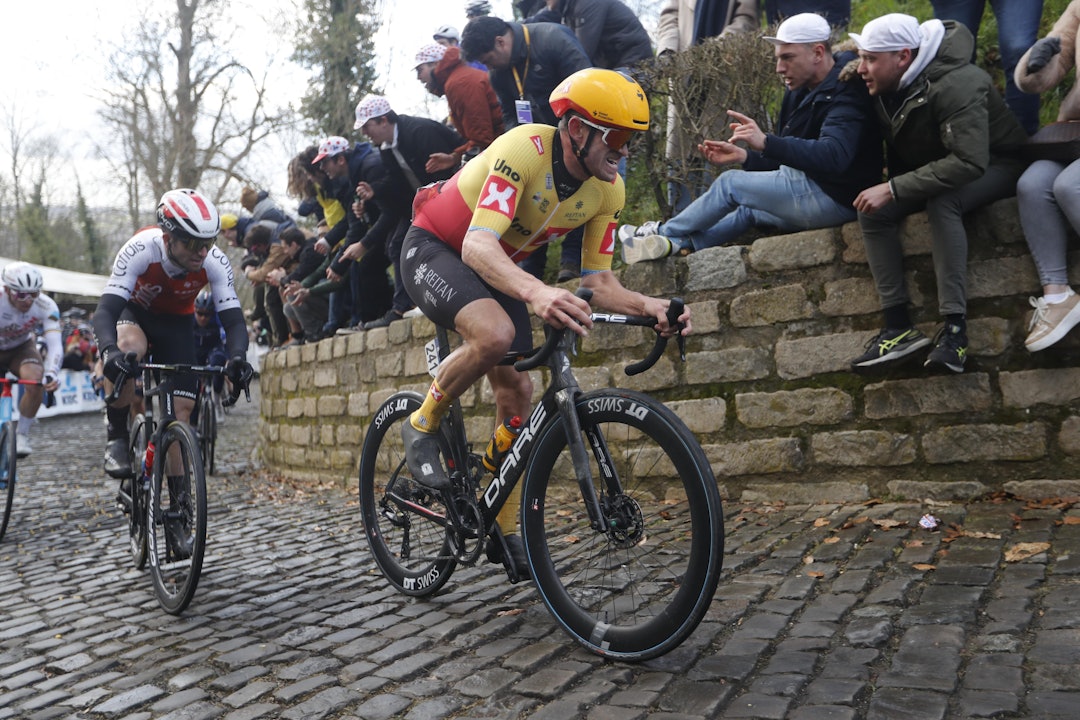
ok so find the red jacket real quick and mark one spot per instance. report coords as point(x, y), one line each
point(474, 106)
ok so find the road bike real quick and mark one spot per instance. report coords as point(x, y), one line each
point(621, 515)
point(165, 496)
point(8, 455)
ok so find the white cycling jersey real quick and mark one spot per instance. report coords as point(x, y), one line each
point(17, 327)
point(143, 274)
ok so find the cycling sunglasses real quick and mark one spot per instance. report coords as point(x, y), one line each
point(614, 138)
point(24, 295)
point(193, 243)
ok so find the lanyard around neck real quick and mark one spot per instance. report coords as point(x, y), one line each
point(520, 79)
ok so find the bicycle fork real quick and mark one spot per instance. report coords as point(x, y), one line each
point(566, 399)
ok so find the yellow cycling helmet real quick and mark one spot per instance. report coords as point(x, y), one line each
point(606, 97)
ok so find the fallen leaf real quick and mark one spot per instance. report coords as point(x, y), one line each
point(924, 566)
point(913, 543)
point(510, 613)
point(831, 540)
point(821, 522)
point(1071, 520)
point(888, 524)
point(808, 560)
point(1025, 550)
point(815, 574)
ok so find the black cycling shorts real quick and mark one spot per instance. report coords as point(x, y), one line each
point(171, 339)
point(441, 285)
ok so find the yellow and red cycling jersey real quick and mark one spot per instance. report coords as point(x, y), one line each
point(509, 190)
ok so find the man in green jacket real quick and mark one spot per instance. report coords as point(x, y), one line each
point(952, 147)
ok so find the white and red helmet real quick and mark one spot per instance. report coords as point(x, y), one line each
point(22, 277)
point(187, 212)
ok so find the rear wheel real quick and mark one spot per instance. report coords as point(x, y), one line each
point(177, 518)
point(404, 522)
point(638, 588)
point(7, 474)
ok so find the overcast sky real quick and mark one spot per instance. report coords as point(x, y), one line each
point(55, 57)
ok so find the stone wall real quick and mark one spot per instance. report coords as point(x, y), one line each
point(766, 384)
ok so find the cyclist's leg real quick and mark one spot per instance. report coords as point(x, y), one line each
point(129, 338)
point(26, 364)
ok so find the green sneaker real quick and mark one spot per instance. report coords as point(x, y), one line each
point(890, 345)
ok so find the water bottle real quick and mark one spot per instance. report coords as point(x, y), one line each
point(148, 460)
point(501, 440)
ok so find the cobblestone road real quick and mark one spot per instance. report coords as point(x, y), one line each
point(830, 611)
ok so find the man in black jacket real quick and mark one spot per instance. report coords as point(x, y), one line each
point(346, 166)
point(827, 149)
point(610, 32)
point(406, 146)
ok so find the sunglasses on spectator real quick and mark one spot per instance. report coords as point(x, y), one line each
point(193, 243)
point(614, 138)
point(23, 295)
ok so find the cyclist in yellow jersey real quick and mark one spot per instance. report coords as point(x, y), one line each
point(533, 184)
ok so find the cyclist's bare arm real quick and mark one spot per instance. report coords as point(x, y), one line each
point(609, 294)
point(482, 252)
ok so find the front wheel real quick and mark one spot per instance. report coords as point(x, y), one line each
point(8, 458)
point(405, 523)
point(177, 518)
point(139, 438)
point(637, 588)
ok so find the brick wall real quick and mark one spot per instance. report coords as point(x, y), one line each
point(766, 385)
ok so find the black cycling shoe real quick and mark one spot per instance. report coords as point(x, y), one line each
point(423, 457)
point(178, 538)
point(116, 459)
point(517, 555)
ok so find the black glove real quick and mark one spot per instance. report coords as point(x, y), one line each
point(239, 371)
point(1042, 52)
point(116, 363)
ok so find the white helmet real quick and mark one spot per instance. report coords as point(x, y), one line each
point(187, 213)
point(447, 32)
point(22, 277)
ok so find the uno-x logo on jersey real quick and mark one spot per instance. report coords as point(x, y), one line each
point(607, 246)
point(499, 195)
point(539, 143)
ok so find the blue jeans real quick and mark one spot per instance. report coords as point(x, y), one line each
point(739, 200)
point(1018, 29)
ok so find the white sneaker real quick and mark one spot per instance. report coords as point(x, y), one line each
point(631, 231)
point(1050, 323)
point(22, 445)
point(415, 312)
point(650, 247)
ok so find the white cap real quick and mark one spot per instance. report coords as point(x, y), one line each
point(802, 28)
point(889, 33)
point(331, 146)
point(371, 106)
point(432, 52)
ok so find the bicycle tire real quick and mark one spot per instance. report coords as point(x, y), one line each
point(181, 506)
point(413, 552)
point(137, 442)
point(8, 462)
point(640, 589)
point(207, 429)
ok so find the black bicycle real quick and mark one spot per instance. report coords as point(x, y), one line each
point(165, 498)
point(621, 515)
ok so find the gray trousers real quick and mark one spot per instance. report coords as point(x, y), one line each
point(311, 314)
point(1048, 196)
point(949, 242)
